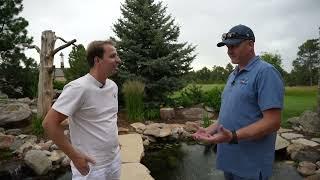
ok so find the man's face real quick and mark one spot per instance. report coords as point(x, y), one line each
point(239, 53)
point(110, 61)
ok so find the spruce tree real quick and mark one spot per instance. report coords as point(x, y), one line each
point(18, 74)
point(147, 42)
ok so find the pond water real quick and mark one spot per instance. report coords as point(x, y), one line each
point(183, 161)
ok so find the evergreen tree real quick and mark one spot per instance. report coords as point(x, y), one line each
point(307, 62)
point(147, 42)
point(18, 74)
point(78, 63)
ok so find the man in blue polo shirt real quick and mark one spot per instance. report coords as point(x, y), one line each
point(250, 112)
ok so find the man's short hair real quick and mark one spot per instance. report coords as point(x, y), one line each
point(96, 49)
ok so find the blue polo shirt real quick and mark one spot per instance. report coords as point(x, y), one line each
point(256, 88)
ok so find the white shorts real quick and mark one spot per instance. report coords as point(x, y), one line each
point(110, 171)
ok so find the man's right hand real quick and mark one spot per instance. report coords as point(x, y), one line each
point(200, 132)
point(205, 132)
point(81, 162)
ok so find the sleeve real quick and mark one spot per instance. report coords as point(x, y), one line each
point(70, 99)
point(270, 88)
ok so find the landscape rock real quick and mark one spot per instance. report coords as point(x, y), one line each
point(281, 143)
point(6, 141)
point(194, 113)
point(309, 121)
point(306, 154)
point(13, 132)
point(138, 127)
point(17, 114)
point(305, 142)
point(290, 136)
point(306, 168)
point(167, 114)
point(57, 156)
point(38, 161)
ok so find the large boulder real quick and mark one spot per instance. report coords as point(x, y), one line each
point(295, 147)
point(307, 168)
point(194, 113)
point(289, 135)
point(6, 141)
point(309, 121)
point(14, 114)
point(167, 114)
point(138, 127)
point(159, 129)
point(305, 154)
point(305, 142)
point(281, 143)
point(191, 127)
point(38, 161)
point(157, 132)
point(57, 156)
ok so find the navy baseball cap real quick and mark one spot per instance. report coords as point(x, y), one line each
point(236, 35)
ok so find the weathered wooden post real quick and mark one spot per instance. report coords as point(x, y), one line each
point(45, 85)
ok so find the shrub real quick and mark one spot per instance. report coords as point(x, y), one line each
point(152, 114)
point(58, 85)
point(133, 97)
point(191, 96)
point(37, 128)
point(213, 98)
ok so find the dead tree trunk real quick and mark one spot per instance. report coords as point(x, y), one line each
point(45, 84)
point(45, 87)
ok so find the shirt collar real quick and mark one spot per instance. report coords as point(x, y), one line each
point(94, 81)
point(249, 66)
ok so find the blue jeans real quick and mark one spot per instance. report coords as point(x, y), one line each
point(230, 176)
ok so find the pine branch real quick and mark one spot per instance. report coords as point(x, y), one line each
point(32, 47)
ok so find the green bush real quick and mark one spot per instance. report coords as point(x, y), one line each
point(37, 128)
point(191, 96)
point(133, 96)
point(152, 114)
point(212, 98)
point(58, 85)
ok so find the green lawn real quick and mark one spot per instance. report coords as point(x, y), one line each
point(297, 100)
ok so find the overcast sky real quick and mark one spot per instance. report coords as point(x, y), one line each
point(279, 25)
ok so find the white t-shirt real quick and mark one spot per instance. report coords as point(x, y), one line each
point(92, 111)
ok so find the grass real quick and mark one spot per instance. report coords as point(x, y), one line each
point(297, 100)
point(133, 94)
point(37, 128)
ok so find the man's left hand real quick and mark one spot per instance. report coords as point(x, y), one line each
point(223, 136)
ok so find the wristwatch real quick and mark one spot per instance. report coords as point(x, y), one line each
point(234, 139)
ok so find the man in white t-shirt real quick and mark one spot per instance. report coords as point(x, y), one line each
point(91, 103)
